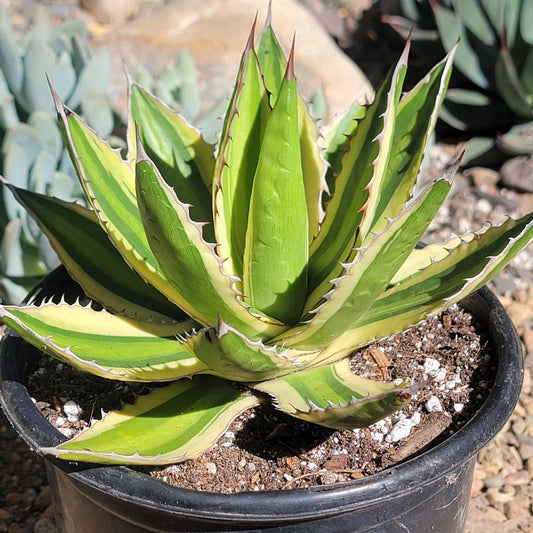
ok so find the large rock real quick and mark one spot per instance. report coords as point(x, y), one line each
point(113, 12)
point(517, 173)
point(215, 32)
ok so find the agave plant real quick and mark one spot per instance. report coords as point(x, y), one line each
point(240, 269)
point(495, 56)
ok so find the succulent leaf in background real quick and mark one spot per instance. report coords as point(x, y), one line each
point(240, 268)
point(32, 153)
point(177, 86)
point(495, 57)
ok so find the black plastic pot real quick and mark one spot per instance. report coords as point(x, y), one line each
point(427, 493)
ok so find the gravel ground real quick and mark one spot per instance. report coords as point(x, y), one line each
point(501, 494)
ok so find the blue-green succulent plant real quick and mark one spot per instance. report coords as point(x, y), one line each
point(32, 153)
point(491, 94)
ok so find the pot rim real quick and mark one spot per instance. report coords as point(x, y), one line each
point(439, 461)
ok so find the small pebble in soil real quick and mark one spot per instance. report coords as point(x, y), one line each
point(211, 468)
point(431, 366)
point(433, 404)
point(401, 430)
point(72, 411)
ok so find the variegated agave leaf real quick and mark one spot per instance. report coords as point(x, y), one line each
point(229, 354)
point(146, 432)
point(129, 350)
point(255, 268)
point(335, 397)
point(90, 257)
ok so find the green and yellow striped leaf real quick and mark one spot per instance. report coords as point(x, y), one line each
point(276, 250)
point(369, 274)
point(272, 61)
point(462, 271)
point(237, 158)
point(201, 287)
point(168, 425)
point(104, 344)
point(387, 149)
point(184, 159)
point(362, 165)
point(273, 66)
point(335, 397)
point(230, 355)
point(421, 258)
point(313, 167)
point(85, 250)
point(414, 124)
point(336, 141)
point(109, 184)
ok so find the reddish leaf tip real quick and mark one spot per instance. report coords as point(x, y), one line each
point(141, 154)
point(410, 36)
point(289, 73)
point(251, 37)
